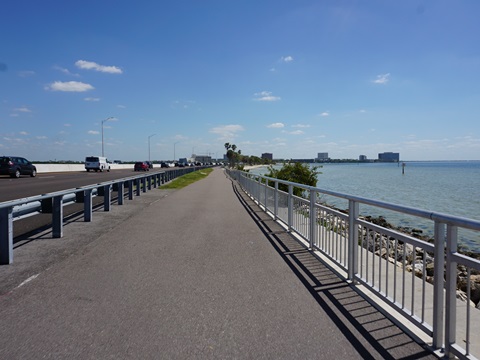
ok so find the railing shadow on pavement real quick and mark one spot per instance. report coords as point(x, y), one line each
point(363, 325)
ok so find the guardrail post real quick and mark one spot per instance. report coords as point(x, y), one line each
point(88, 206)
point(107, 197)
point(352, 262)
point(144, 184)
point(57, 217)
point(438, 279)
point(120, 189)
point(149, 182)
point(450, 291)
point(6, 235)
point(313, 219)
point(138, 187)
point(130, 189)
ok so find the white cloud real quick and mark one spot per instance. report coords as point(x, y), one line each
point(287, 59)
point(180, 137)
point(93, 132)
point(227, 131)
point(41, 137)
point(23, 133)
point(65, 71)
point(91, 99)
point(296, 132)
point(300, 126)
point(382, 79)
point(266, 96)
point(90, 65)
point(277, 125)
point(69, 86)
point(22, 109)
point(121, 106)
point(325, 113)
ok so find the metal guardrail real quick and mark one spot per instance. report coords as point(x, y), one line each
point(417, 279)
point(53, 203)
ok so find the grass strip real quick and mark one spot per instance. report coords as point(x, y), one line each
point(187, 179)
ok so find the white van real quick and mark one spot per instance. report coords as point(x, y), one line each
point(97, 163)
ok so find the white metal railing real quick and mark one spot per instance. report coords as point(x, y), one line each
point(416, 278)
point(53, 203)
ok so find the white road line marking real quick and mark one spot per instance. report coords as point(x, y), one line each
point(28, 280)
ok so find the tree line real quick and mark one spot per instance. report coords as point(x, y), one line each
point(238, 160)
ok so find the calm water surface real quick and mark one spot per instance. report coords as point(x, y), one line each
point(447, 187)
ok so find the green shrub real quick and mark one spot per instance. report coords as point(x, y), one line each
point(295, 172)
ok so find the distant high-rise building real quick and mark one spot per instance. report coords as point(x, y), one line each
point(389, 157)
point(362, 158)
point(322, 157)
point(268, 156)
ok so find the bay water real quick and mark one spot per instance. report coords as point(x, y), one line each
point(450, 187)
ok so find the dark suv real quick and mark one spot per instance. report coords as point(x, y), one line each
point(16, 166)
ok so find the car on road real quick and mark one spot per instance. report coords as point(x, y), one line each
point(16, 166)
point(164, 165)
point(150, 164)
point(141, 166)
point(97, 163)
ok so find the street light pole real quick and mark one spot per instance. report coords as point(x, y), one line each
point(149, 145)
point(103, 121)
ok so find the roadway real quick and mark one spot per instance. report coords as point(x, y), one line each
point(26, 186)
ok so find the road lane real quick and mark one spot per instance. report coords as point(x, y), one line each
point(11, 189)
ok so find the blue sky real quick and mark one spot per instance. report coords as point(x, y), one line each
point(292, 78)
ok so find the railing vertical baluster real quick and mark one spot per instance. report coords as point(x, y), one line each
point(290, 207)
point(275, 202)
point(6, 235)
point(265, 195)
point(353, 213)
point(313, 218)
point(450, 289)
point(438, 279)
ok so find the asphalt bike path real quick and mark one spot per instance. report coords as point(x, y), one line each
point(195, 273)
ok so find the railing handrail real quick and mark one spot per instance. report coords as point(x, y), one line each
point(471, 224)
